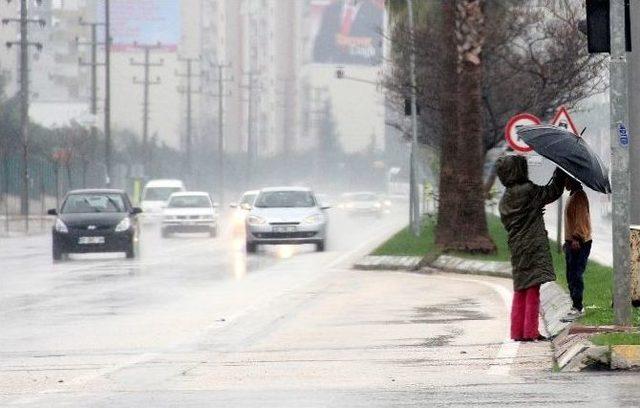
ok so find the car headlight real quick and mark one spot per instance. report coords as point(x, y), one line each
point(349, 205)
point(61, 227)
point(123, 225)
point(313, 219)
point(255, 220)
point(377, 205)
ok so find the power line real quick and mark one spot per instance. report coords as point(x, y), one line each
point(220, 95)
point(146, 83)
point(189, 92)
point(107, 90)
point(24, 44)
point(251, 86)
point(94, 64)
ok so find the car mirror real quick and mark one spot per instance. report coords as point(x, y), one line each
point(136, 210)
point(233, 205)
point(52, 211)
point(325, 207)
point(246, 206)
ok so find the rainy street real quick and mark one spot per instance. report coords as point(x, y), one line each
point(195, 321)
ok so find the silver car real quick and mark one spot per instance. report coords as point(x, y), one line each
point(286, 215)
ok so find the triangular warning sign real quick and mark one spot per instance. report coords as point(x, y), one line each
point(563, 119)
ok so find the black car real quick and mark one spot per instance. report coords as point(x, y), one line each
point(95, 221)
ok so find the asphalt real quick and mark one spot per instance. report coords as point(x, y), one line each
point(195, 322)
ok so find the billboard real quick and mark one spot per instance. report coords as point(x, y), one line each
point(143, 22)
point(347, 32)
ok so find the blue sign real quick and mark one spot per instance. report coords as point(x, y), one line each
point(623, 135)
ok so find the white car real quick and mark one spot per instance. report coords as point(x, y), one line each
point(155, 195)
point(363, 203)
point(242, 207)
point(286, 215)
point(191, 211)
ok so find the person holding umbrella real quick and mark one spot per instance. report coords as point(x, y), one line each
point(577, 246)
point(521, 213)
point(573, 154)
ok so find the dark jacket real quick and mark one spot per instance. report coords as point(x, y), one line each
point(521, 210)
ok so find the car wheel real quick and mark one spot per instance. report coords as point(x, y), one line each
point(213, 232)
point(57, 253)
point(320, 246)
point(131, 253)
point(251, 247)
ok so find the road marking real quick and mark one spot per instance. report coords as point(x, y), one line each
point(501, 364)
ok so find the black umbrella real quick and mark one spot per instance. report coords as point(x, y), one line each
point(570, 152)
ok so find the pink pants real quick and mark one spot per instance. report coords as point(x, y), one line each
point(524, 314)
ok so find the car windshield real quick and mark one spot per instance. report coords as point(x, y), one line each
point(193, 201)
point(280, 199)
point(248, 198)
point(159, 193)
point(93, 203)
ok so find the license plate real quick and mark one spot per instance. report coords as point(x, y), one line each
point(284, 229)
point(90, 240)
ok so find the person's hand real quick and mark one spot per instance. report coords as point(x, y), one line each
point(575, 245)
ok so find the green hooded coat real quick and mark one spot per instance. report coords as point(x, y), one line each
point(521, 210)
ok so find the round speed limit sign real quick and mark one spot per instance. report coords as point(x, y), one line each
point(511, 131)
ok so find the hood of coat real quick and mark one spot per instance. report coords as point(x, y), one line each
point(512, 170)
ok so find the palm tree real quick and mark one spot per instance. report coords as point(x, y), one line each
point(462, 224)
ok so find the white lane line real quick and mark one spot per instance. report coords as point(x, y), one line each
point(501, 364)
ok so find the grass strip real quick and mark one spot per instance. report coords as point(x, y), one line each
point(612, 339)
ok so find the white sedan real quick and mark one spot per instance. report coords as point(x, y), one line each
point(190, 211)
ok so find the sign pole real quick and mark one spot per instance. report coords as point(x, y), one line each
point(619, 105)
point(415, 198)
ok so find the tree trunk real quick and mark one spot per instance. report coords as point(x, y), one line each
point(462, 224)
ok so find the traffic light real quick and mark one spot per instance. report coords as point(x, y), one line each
point(597, 28)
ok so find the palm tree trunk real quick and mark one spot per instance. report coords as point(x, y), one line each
point(462, 224)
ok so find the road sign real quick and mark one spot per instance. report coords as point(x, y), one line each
point(563, 119)
point(510, 131)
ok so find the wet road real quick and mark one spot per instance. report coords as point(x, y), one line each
point(195, 322)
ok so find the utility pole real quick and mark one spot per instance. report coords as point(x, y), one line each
point(146, 83)
point(287, 124)
point(220, 95)
point(189, 91)
point(94, 64)
point(24, 44)
point(107, 91)
point(618, 95)
point(634, 110)
point(317, 102)
point(251, 142)
point(414, 206)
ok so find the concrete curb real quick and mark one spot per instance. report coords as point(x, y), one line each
point(472, 267)
point(572, 349)
point(554, 305)
point(384, 262)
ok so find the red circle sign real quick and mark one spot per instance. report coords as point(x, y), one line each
point(510, 131)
